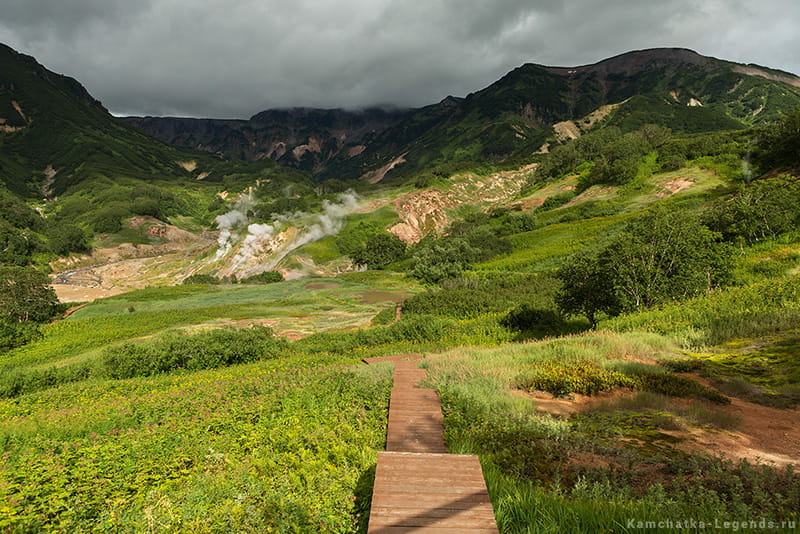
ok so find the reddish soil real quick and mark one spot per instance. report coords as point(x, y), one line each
point(763, 434)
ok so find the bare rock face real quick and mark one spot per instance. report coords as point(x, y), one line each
point(305, 138)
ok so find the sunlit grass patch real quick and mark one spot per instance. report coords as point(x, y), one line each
point(280, 444)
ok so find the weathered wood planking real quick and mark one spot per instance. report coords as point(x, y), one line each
point(418, 486)
point(430, 492)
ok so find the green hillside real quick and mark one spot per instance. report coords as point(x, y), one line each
point(509, 120)
point(611, 323)
point(87, 171)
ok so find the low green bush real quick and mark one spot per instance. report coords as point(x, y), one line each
point(197, 279)
point(471, 297)
point(206, 350)
point(677, 386)
point(20, 381)
point(420, 328)
point(267, 277)
point(564, 378)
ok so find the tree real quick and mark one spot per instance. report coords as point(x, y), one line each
point(760, 210)
point(267, 277)
point(26, 296)
point(441, 259)
point(17, 245)
point(65, 238)
point(663, 255)
point(587, 289)
point(380, 250)
point(779, 147)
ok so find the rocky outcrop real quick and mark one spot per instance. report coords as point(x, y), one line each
point(305, 138)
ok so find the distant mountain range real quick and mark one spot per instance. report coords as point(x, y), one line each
point(510, 119)
point(54, 134)
point(305, 138)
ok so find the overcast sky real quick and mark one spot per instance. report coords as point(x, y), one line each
point(233, 58)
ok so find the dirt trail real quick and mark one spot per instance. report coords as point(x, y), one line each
point(763, 434)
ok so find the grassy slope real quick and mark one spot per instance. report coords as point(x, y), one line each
point(291, 307)
point(221, 447)
point(278, 446)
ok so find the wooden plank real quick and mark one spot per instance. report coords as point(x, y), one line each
point(418, 486)
point(430, 493)
point(430, 530)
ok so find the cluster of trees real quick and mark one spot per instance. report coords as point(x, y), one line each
point(477, 237)
point(24, 233)
point(102, 206)
point(267, 277)
point(760, 210)
point(778, 146)
point(26, 301)
point(371, 245)
point(611, 156)
point(661, 256)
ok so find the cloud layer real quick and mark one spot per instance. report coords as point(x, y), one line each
point(233, 58)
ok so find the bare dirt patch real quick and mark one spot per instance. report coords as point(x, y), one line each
point(675, 185)
point(423, 212)
point(75, 293)
point(763, 434)
point(573, 129)
point(377, 175)
point(188, 166)
point(595, 192)
point(753, 71)
point(576, 403)
point(114, 270)
point(355, 150)
point(566, 130)
point(767, 435)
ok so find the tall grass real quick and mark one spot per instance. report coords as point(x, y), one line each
point(754, 310)
point(596, 471)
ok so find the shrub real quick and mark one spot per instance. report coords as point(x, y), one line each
point(379, 251)
point(527, 318)
point(206, 350)
point(564, 378)
point(267, 277)
point(659, 257)
point(15, 334)
point(471, 297)
point(677, 386)
point(198, 279)
point(385, 316)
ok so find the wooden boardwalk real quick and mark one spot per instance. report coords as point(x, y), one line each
point(418, 486)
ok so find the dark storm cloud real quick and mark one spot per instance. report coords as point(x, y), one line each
point(233, 58)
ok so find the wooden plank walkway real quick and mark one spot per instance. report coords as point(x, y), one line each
point(430, 493)
point(415, 414)
point(418, 486)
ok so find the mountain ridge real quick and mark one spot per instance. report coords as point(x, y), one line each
point(513, 116)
